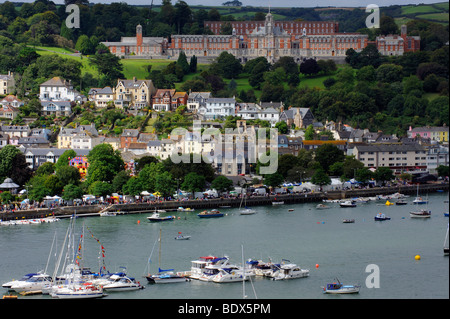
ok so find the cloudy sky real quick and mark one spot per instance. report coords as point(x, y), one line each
point(275, 3)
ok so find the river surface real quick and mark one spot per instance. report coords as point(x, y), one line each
point(313, 239)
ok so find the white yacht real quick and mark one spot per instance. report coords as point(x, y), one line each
point(232, 275)
point(78, 291)
point(34, 283)
point(289, 271)
point(125, 283)
point(8, 284)
point(198, 266)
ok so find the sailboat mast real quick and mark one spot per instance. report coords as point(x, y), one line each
point(159, 258)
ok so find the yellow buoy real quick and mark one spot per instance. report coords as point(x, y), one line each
point(417, 257)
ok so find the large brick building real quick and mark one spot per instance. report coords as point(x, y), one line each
point(268, 38)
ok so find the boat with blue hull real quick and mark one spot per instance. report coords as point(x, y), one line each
point(338, 288)
point(381, 217)
point(210, 214)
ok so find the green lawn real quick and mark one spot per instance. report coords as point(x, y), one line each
point(419, 9)
point(138, 67)
point(442, 17)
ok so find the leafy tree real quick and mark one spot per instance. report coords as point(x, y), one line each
point(309, 67)
point(37, 189)
point(389, 73)
point(6, 197)
point(46, 168)
point(228, 66)
point(273, 180)
point(285, 163)
point(104, 163)
point(309, 133)
point(64, 159)
point(165, 184)
point(119, 181)
point(107, 64)
point(222, 184)
point(147, 176)
point(133, 186)
point(443, 170)
point(20, 172)
point(327, 154)
point(320, 178)
point(282, 127)
point(193, 182)
point(99, 188)
point(84, 45)
point(68, 175)
point(363, 174)
point(72, 192)
point(383, 174)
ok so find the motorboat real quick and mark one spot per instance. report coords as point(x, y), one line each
point(289, 271)
point(423, 213)
point(34, 283)
point(198, 266)
point(79, 291)
point(166, 277)
point(420, 201)
point(213, 269)
point(322, 206)
point(347, 203)
point(187, 209)
point(338, 288)
point(401, 202)
point(348, 221)
point(182, 237)
point(381, 216)
point(8, 284)
point(107, 214)
point(122, 283)
point(209, 214)
point(158, 218)
point(261, 268)
point(232, 275)
point(247, 211)
point(279, 202)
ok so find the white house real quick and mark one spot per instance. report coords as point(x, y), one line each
point(58, 108)
point(58, 89)
point(100, 96)
point(218, 108)
point(197, 99)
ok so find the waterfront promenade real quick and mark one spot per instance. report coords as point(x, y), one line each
point(148, 207)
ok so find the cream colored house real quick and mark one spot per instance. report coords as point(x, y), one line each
point(101, 97)
point(81, 137)
point(7, 83)
point(133, 93)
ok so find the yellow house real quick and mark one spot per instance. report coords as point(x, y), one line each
point(133, 93)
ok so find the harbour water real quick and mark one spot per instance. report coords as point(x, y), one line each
point(314, 239)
